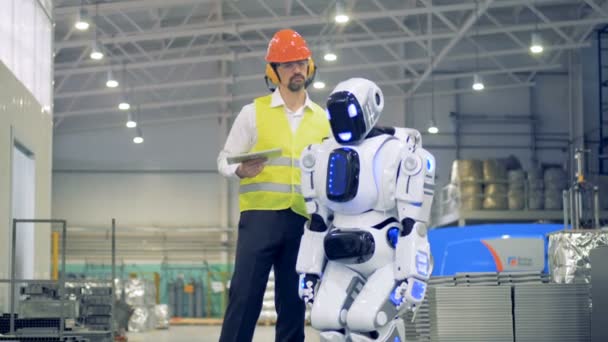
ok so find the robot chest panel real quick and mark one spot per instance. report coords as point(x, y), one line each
point(349, 178)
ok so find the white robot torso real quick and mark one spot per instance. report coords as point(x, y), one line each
point(357, 183)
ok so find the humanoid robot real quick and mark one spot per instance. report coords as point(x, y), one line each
point(364, 258)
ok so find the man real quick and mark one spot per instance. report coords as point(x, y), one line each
point(272, 208)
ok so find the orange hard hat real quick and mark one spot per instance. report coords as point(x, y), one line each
point(287, 46)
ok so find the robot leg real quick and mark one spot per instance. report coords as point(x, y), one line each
point(332, 336)
point(394, 331)
point(337, 292)
point(374, 310)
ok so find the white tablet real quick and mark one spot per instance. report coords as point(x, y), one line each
point(239, 158)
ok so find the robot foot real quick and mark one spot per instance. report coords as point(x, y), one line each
point(392, 332)
point(332, 336)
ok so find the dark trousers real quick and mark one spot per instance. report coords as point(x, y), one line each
point(266, 238)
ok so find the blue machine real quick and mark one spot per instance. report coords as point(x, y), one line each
point(491, 248)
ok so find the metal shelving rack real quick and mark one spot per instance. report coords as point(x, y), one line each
point(602, 54)
point(62, 333)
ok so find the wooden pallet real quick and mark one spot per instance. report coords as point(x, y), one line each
point(195, 321)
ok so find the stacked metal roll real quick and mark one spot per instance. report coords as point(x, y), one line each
point(555, 183)
point(516, 193)
point(466, 176)
point(536, 190)
point(495, 185)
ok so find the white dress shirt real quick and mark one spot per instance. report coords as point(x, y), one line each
point(244, 135)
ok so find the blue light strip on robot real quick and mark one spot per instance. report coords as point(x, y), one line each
point(422, 264)
point(337, 170)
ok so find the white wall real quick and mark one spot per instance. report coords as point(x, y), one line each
point(25, 33)
point(161, 199)
point(22, 119)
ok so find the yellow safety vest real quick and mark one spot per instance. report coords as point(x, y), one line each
point(278, 185)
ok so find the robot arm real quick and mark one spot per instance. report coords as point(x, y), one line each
point(414, 195)
point(311, 256)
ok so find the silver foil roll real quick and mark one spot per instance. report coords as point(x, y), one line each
point(139, 319)
point(569, 254)
point(161, 312)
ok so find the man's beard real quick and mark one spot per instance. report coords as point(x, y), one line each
point(295, 86)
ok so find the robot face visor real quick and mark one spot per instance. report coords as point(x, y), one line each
point(351, 247)
point(346, 118)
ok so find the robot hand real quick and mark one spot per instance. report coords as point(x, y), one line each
point(309, 283)
point(408, 293)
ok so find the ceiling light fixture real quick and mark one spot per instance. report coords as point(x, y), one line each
point(82, 22)
point(139, 138)
point(96, 52)
point(111, 81)
point(341, 16)
point(130, 122)
point(318, 85)
point(478, 83)
point(536, 43)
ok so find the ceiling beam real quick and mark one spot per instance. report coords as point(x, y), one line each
point(333, 69)
point(220, 99)
point(479, 10)
point(106, 8)
point(235, 27)
point(338, 45)
point(215, 116)
point(468, 90)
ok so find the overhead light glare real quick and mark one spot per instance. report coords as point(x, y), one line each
point(82, 22)
point(318, 85)
point(536, 43)
point(478, 83)
point(341, 16)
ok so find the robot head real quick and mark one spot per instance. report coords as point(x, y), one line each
point(353, 108)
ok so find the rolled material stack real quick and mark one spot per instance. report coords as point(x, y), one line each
point(555, 183)
point(516, 194)
point(495, 185)
point(466, 176)
point(536, 190)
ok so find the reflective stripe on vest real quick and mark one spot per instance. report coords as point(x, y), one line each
point(284, 161)
point(272, 187)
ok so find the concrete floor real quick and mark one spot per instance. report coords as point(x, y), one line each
point(208, 334)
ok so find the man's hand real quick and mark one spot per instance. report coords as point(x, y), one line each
point(251, 168)
point(309, 284)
